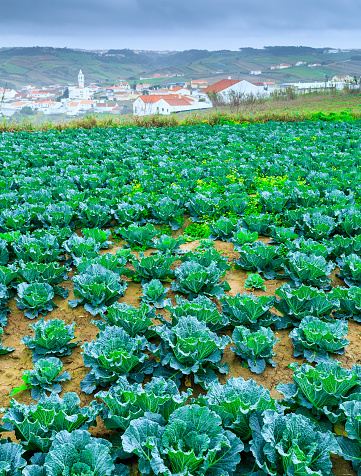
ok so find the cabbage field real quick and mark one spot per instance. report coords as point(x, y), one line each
point(181, 301)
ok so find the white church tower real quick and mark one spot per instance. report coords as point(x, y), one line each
point(80, 79)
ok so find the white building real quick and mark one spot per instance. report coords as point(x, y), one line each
point(255, 72)
point(7, 94)
point(79, 92)
point(342, 78)
point(227, 87)
point(80, 79)
point(104, 107)
point(166, 104)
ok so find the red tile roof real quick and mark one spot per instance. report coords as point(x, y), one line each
point(177, 102)
point(221, 85)
point(152, 98)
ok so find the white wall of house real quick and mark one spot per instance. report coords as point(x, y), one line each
point(9, 94)
point(141, 108)
point(242, 87)
point(79, 93)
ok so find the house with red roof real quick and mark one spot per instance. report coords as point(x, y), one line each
point(228, 87)
point(165, 104)
point(199, 83)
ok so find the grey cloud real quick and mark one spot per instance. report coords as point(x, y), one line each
point(190, 20)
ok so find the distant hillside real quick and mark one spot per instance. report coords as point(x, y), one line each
point(44, 66)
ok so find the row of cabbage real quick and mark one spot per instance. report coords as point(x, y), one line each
point(101, 177)
point(234, 429)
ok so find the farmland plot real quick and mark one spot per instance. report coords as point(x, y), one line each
point(181, 301)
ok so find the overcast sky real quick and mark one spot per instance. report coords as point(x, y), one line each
point(186, 24)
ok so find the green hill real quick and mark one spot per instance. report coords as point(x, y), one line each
point(44, 66)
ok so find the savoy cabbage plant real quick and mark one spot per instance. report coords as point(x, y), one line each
point(315, 339)
point(195, 279)
point(349, 302)
point(156, 266)
point(80, 249)
point(51, 338)
point(342, 245)
point(283, 235)
point(350, 269)
point(237, 202)
point(321, 389)
point(260, 257)
point(92, 215)
point(135, 235)
point(169, 245)
point(202, 206)
point(202, 308)
point(274, 202)
point(167, 211)
point(296, 303)
point(113, 262)
point(222, 229)
point(125, 401)
point(37, 250)
point(350, 223)
point(193, 442)
point(318, 226)
point(36, 298)
point(255, 347)
point(190, 348)
point(291, 445)
point(97, 288)
point(243, 236)
point(154, 293)
point(310, 246)
point(254, 281)
point(45, 377)
point(37, 425)
point(49, 273)
point(128, 213)
point(134, 321)
point(310, 269)
point(113, 354)
point(78, 453)
point(261, 224)
point(206, 254)
point(235, 402)
point(99, 235)
point(249, 310)
point(60, 215)
point(8, 275)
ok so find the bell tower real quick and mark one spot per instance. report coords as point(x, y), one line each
point(80, 79)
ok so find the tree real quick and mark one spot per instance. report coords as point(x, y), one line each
point(65, 95)
point(26, 110)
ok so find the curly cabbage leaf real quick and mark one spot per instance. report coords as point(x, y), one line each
point(193, 442)
point(314, 339)
point(51, 338)
point(255, 347)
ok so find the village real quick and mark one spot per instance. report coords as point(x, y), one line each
point(144, 99)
